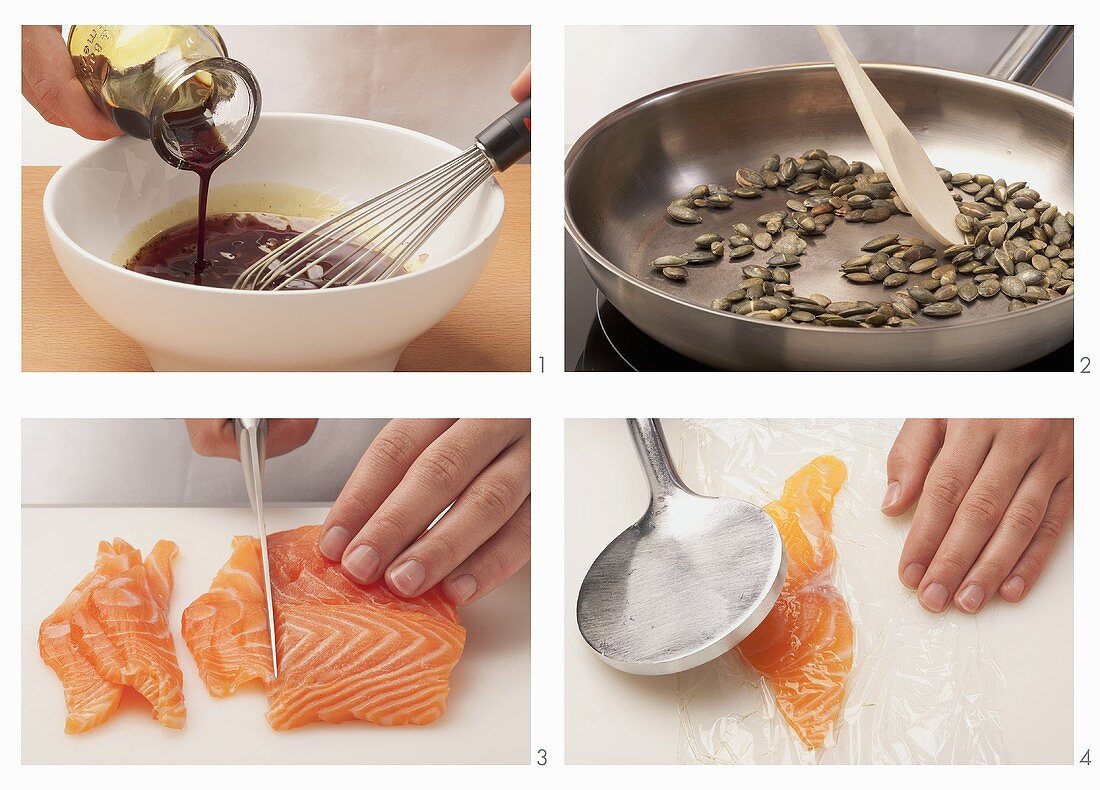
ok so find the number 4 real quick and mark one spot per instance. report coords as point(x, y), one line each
point(1085, 758)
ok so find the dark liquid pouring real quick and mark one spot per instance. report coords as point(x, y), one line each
point(202, 149)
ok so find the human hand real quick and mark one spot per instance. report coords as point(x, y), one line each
point(51, 86)
point(521, 87)
point(994, 495)
point(410, 473)
point(214, 438)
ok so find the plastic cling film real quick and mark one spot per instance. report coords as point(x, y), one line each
point(923, 688)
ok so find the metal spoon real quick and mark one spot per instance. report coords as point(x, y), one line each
point(911, 172)
point(687, 582)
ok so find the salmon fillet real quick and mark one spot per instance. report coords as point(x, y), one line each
point(803, 649)
point(345, 651)
point(112, 631)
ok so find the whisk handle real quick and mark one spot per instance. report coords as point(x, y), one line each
point(508, 139)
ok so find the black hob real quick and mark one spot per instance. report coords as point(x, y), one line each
point(598, 337)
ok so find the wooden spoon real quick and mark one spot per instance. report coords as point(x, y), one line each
point(911, 172)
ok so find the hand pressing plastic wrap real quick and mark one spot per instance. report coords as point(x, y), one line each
point(848, 668)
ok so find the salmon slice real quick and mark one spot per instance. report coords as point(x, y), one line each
point(226, 628)
point(803, 649)
point(345, 651)
point(112, 631)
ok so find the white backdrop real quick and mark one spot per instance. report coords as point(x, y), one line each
point(607, 67)
point(128, 463)
point(447, 82)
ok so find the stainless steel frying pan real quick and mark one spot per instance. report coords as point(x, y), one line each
point(623, 172)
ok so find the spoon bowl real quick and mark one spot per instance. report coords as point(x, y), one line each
point(687, 582)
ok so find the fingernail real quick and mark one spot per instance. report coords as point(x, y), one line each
point(334, 542)
point(408, 576)
point(912, 575)
point(935, 597)
point(464, 587)
point(1014, 588)
point(893, 492)
point(970, 599)
point(362, 563)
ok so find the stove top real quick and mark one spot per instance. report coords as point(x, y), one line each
point(598, 338)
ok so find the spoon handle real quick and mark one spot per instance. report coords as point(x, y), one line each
point(649, 440)
point(902, 157)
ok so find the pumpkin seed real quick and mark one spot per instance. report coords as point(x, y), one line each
point(946, 293)
point(989, 288)
point(667, 260)
point(1031, 277)
point(1013, 286)
point(921, 295)
point(684, 214)
point(878, 242)
point(879, 270)
point(942, 309)
point(968, 292)
point(698, 256)
point(749, 178)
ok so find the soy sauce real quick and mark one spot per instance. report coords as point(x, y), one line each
point(227, 244)
point(233, 242)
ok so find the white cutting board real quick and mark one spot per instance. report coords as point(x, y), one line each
point(612, 717)
point(488, 718)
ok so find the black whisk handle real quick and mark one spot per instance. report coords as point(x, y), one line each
point(508, 139)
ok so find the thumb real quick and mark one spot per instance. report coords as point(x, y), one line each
point(521, 87)
point(915, 448)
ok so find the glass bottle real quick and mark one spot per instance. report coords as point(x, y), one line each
point(171, 84)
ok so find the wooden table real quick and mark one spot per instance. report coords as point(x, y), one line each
point(490, 330)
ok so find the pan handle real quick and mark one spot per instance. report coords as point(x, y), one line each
point(1030, 52)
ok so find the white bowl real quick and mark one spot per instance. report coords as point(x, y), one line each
point(94, 202)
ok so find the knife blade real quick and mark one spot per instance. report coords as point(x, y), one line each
point(251, 436)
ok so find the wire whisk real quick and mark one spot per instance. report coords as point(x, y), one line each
point(376, 239)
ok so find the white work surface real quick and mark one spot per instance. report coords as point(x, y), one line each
point(615, 718)
point(488, 717)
